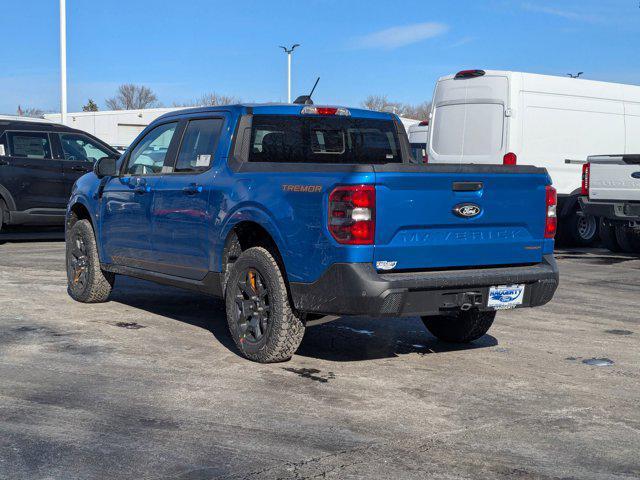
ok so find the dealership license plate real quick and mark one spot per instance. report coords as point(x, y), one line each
point(505, 296)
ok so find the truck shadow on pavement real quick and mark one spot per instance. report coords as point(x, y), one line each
point(358, 338)
point(346, 339)
point(31, 234)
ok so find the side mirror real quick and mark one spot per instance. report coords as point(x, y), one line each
point(106, 167)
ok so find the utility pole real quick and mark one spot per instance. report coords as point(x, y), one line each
point(289, 51)
point(63, 61)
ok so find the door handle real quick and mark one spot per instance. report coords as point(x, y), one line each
point(137, 184)
point(192, 189)
point(77, 168)
point(140, 186)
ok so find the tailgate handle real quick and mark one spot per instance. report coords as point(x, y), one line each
point(467, 186)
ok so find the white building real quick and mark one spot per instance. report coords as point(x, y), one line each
point(119, 128)
point(116, 127)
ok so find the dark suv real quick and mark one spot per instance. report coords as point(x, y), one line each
point(39, 163)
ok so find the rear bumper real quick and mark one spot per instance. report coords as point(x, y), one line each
point(612, 210)
point(357, 289)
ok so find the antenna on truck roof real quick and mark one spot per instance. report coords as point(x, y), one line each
point(306, 99)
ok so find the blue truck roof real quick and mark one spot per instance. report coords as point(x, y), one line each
point(275, 109)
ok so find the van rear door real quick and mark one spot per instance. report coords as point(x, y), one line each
point(468, 123)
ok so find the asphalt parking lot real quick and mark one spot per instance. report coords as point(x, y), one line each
point(149, 386)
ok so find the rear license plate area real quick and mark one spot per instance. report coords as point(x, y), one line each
point(503, 297)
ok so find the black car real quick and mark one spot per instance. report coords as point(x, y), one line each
point(39, 163)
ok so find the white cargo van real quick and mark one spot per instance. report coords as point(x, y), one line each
point(554, 122)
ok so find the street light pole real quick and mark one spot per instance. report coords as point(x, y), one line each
point(63, 62)
point(289, 51)
point(288, 77)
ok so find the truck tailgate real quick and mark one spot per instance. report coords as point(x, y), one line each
point(420, 221)
point(615, 177)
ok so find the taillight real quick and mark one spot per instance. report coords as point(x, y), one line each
point(551, 224)
point(509, 159)
point(425, 158)
point(586, 173)
point(313, 110)
point(469, 74)
point(352, 212)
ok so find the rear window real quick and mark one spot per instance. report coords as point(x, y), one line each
point(296, 139)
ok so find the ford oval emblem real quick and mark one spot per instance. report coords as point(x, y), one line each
point(467, 210)
point(635, 174)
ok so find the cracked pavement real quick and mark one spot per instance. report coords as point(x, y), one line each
point(150, 386)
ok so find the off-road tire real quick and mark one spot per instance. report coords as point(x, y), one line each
point(628, 239)
point(284, 329)
point(98, 283)
point(608, 238)
point(463, 327)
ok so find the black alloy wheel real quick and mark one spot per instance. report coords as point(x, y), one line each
point(252, 306)
point(78, 262)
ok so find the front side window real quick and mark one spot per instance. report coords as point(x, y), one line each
point(198, 145)
point(298, 139)
point(147, 158)
point(80, 148)
point(29, 144)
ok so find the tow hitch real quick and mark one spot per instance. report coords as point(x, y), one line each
point(463, 301)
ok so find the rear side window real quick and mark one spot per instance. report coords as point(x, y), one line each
point(468, 129)
point(29, 144)
point(297, 139)
point(198, 145)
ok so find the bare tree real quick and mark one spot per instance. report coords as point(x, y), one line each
point(382, 103)
point(30, 112)
point(210, 100)
point(133, 97)
point(418, 112)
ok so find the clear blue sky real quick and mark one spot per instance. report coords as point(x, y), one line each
point(182, 49)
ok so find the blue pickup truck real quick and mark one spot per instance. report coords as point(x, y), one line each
point(293, 213)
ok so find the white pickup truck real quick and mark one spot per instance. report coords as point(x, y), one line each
point(611, 191)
